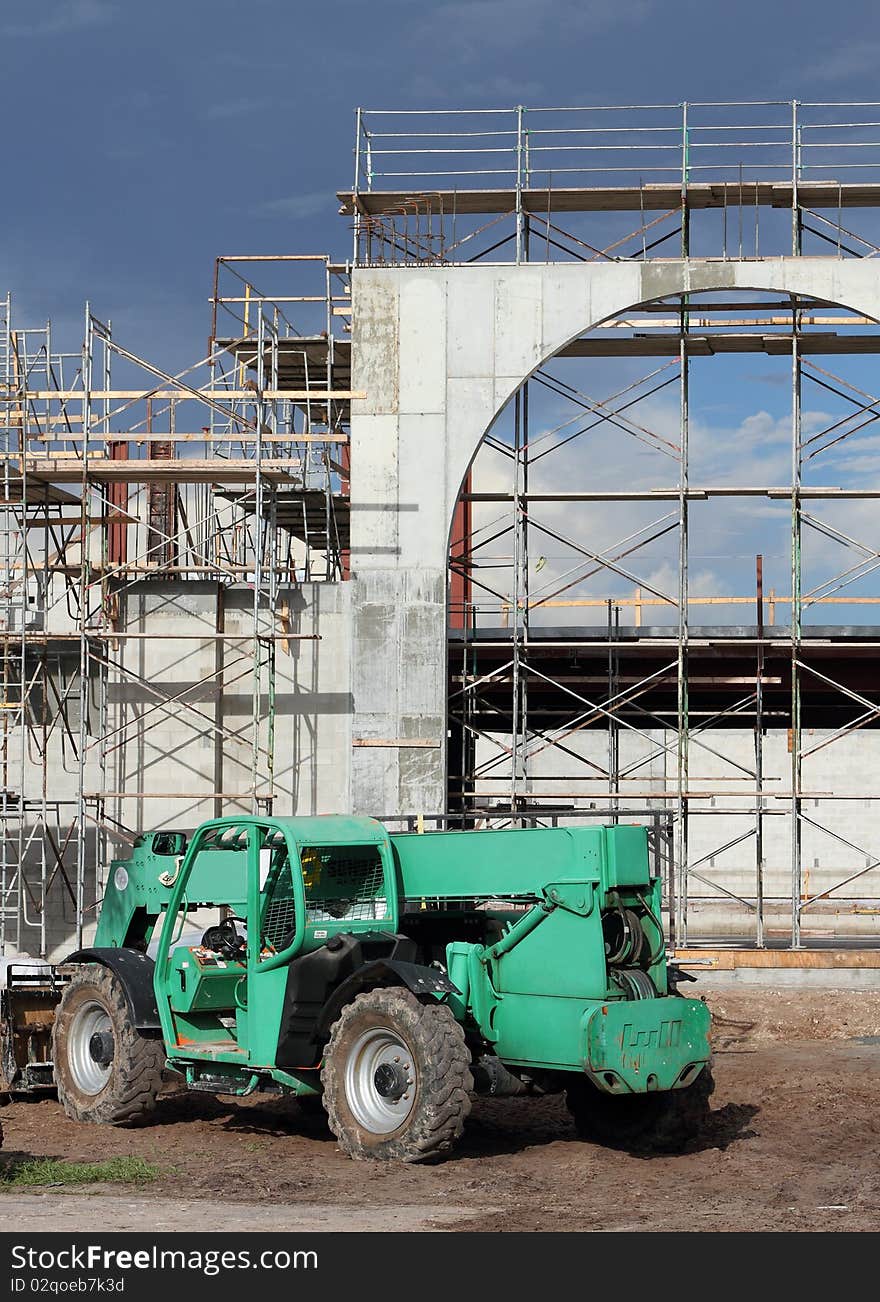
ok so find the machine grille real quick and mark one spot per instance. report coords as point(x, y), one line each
point(279, 921)
point(343, 882)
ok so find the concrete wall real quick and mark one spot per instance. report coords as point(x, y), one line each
point(182, 749)
point(845, 767)
point(438, 352)
point(160, 750)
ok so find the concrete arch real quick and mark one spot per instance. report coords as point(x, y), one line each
point(438, 352)
point(623, 311)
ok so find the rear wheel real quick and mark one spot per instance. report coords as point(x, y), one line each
point(662, 1121)
point(105, 1070)
point(396, 1077)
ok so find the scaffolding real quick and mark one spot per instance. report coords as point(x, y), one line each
point(154, 522)
point(610, 184)
point(129, 493)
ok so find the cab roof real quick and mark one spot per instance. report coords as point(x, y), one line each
point(319, 829)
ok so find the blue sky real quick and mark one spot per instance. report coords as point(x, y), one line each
point(142, 139)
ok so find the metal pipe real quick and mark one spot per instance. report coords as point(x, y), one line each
point(759, 753)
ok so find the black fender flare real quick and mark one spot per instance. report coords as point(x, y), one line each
point(135, 972)
point(384, 972)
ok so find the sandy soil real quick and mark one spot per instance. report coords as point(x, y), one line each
point(793, 1145)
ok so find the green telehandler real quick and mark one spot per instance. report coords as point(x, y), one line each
point(387, 977)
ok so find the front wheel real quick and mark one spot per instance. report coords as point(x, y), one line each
point(664, 1122)
point(396, 1077)
point(105, 1070)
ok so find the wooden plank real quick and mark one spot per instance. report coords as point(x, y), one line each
point(186, 395)
point(177, 795)
point(616, 198)
point(134, 436)
point(729, 960)
point(547, 797)
point(827, 344)
point(700, 494)
point(137, 472)
point(113, 636)
point(395, 742)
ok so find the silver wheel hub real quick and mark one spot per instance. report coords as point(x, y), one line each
point(90, 1048)
point(380, 1080)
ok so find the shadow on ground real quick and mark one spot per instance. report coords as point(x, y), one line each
point(496, 1127)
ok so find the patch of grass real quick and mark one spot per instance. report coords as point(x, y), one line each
point(50, 1170)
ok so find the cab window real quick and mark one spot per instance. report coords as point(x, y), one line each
point(169, 843)
point(278, 919)
point(343, 882)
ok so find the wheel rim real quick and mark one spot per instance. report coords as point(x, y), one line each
point(89, 1038)
point(380, 1080)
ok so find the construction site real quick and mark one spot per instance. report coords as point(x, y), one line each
point(547, 499)
point(308, 574)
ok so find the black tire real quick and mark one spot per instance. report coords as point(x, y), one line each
point(663, 1122)
point(425, 1047)
point(122, 1090)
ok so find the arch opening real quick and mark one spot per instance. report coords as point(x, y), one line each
point(663, 600)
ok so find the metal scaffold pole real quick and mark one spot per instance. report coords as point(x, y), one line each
point(796, 616)
point(796, 562)
point(10, 704)
point(683, 737)
point(83, 623)
point(679, 914)
point(517, 611)
point(759, 753)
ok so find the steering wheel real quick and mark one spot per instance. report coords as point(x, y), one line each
point(226, 941)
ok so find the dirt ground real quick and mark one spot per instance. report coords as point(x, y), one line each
point(793, 1145)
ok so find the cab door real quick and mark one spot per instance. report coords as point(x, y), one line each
point(308, 893)
point(276, 928)
point(201, 973)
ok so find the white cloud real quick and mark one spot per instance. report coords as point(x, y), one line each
point(60, 18)
point(298, 206)
point(463, 38)
point(850, 59)
point(231, 109)
point(740, 450)
point(476, 26)
point(498, 92)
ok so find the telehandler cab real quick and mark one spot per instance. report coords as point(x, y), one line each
point(388, 976)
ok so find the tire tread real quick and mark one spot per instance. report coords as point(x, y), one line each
point(129, 1098)
point(445, 1077)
